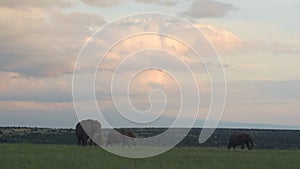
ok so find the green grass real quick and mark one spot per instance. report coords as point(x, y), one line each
point(28, 156)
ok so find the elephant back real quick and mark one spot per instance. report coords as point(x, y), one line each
point(89, 127)
point(237, 138)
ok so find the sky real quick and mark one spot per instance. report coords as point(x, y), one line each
point(257, 43)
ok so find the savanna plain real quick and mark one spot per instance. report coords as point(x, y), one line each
point(35, 156)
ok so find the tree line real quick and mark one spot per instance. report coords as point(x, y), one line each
point(263, 138)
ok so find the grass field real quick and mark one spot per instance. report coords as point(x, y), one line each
point(28, 156)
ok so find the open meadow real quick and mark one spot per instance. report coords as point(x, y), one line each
point(34, 156)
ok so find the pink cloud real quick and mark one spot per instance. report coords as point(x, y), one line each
point(222, 39)
point(27, 105)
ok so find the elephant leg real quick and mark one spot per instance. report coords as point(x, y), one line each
point(85, 141)
point(108, 143)
point(229, 146)
point(79, 141)
point(91, 141)
point(248, 146)
point(123, 143)
point(234, 147)
point(243, 145)
point(82, 142)
point(128, 143)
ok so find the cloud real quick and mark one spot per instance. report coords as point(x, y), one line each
point(101, 3)
point(272, 47)
point(160, 2)
point(39, 54)
point(109, 3)
point(208, 9)
point(36, 3)
point(266, 89)
point(281, 48)
point(263, 101)
point(27, 105)
point(121, 55)
point(222, 39)
point(278, 89)
point(16, 87)
point(43, 42)
point(14, 81)
point(37, 114)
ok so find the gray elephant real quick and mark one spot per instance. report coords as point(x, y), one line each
point(241, 139)
point(88, 131)
point(120, 136)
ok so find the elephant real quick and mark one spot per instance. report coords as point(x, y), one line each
point(120, 136)
point(88, 131)
point(241, 139)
